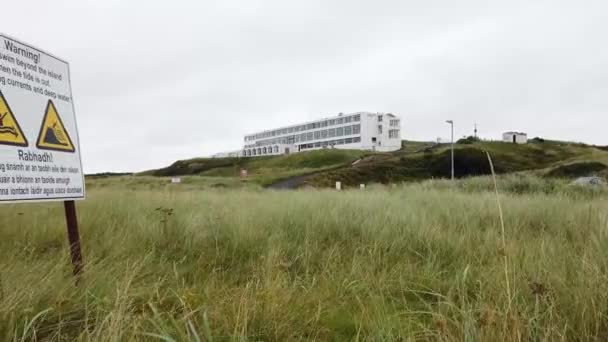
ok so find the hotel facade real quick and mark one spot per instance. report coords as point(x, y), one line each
point(357, 131)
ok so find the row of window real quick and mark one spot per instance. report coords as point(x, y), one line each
point(269, 150)
point(394, 123)
point(301, 128)
point(261, 151)
point(311, 136)
point(393, 133)
point(331, 143)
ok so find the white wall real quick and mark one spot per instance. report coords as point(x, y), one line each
point(519, 138)
point(369, 130)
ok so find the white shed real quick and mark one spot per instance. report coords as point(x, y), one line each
point(515, 137)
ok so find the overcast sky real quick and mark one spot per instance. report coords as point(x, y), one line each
point(157, 81)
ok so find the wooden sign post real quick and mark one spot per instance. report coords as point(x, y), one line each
point(73, 236)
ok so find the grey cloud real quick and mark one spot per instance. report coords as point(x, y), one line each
point(157, 81)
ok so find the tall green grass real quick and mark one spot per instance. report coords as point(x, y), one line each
point(422, 261)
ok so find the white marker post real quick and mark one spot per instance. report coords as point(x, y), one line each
point(338, 186)
point(362, 186)
point(39, 143)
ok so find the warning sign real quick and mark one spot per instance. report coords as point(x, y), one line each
point(36, 105)
point(10, 132)
point(53, 135)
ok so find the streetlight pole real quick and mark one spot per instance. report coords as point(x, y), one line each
point(451, 122)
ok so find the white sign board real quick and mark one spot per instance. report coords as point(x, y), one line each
point(39, 144)
point(176, 180)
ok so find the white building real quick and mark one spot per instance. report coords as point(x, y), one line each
point(358, 131)
point(231, 154)
point(515, 137)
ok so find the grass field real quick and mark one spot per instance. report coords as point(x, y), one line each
point(415, 262)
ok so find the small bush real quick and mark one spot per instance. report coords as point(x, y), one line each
point(536, 140)
point(576, 170)
point(468, 140)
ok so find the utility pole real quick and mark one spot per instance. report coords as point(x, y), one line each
point(475, 130)
point(451, 122)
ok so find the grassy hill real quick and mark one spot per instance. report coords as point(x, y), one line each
point(415, 161)
point(262, 170)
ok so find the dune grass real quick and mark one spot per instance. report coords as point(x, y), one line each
point(414, 262)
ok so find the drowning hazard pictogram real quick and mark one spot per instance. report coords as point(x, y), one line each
point(10, 131)
point(53, 134)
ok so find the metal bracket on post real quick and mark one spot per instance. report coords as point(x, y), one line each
point(73, 236)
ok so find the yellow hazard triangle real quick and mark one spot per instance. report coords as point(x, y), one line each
point(10, 131)
point(53, 135)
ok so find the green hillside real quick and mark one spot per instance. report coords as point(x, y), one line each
point(262, 170)
point(416, 161)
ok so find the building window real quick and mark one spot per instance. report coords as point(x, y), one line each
point(356, 139)
point(331, 132)
point(318, 144)
point(332, 122)
point(324, 124)
point(348, 130)
point(339, 131)
point(379, 129)
point(309, 126)
point(317, 135)
point(347, 119)
point(309, 136)
point(356, 129)
point(357, 118)
point(340, 121)
point(276, 149)
point(340, 142)
point(379, 118)
point(348, 140)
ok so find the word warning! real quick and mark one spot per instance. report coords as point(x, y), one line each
point(36, 105)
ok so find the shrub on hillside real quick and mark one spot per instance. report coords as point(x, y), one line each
point(576, 170)
point(468, 140)
point(536, 140)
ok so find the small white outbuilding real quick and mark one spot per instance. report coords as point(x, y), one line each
point(515, 137)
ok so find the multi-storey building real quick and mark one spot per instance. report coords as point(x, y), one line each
point(361, 131)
